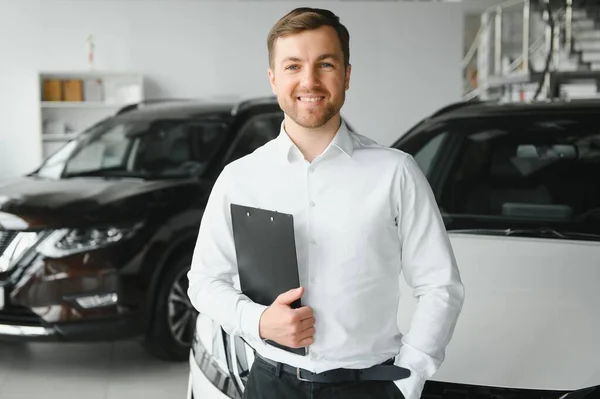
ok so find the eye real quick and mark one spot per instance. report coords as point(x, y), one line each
point(291, 67)
point(327, 65)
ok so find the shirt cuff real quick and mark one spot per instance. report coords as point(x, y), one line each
point(250, 320)
point(411, 387)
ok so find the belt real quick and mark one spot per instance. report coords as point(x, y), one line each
point(381, 372)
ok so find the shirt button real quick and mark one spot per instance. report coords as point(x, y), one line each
point(312, 280)
point(312, 203)
point(311, 170)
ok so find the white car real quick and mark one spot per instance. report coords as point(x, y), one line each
point(519, 188)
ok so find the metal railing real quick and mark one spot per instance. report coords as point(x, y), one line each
point(488, 49)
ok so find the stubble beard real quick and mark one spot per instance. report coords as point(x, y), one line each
point(313, 118)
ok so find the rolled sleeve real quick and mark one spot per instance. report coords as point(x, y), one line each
point(411, 387)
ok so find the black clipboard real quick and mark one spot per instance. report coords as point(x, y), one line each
point(266, 255)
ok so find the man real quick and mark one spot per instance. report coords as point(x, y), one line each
point(363, 214)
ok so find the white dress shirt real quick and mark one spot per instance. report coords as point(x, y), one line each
point(363, 214)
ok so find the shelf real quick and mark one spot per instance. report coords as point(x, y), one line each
point(58, 137)
point(90, 75)
point(106, 92)
point(80, 105)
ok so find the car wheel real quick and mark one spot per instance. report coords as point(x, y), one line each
point(172, 330)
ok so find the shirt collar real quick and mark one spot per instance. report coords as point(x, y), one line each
point(289, 151)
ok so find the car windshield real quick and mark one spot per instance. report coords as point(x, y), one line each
point(135, 148)
point(521, 175)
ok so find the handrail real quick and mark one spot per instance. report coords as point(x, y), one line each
point(490, 43)
point(474, 46)
point(493, 9)
point(505, 5)
point(532, 49)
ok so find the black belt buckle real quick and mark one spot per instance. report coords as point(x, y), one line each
point(299, 375)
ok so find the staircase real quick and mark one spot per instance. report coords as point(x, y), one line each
point(586, 28)
point(535, 62)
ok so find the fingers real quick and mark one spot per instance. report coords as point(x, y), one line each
point(305, 312)
point(306, 323)
point(308, 333)
point(306, 342)
point(303, 338)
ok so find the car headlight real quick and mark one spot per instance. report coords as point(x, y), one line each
point(65, 242)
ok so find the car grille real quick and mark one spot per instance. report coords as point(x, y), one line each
point(19, 316)
point(6, 238)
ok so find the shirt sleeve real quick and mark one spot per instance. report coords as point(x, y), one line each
point(214, 265)
point(430, 269)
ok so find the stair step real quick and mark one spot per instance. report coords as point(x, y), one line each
point(583, 24)
point(590, 56)
point(587, 45)
point(588, 35)
point(579, 90)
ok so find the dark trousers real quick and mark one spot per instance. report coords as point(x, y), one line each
point(264, 382)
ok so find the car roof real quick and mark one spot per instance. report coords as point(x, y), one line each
point(493, 108)
point(185, 109)
point(173, 109)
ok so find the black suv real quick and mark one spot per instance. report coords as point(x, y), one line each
point(96, 243)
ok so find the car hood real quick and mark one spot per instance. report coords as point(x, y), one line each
point(77, 201)
point(531, 317)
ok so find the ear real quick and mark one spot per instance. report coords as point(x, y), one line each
point(272, 81)
point(347, 77)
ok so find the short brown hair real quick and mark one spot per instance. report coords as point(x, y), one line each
point(306, 18)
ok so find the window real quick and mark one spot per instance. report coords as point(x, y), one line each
point(106, 151)
point(541, 171)
point(255, 133)
point(428, 153)
point(176, 147)
point(53, 167)
point(163, 148)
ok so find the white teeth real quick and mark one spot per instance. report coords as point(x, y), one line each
point(311, 99)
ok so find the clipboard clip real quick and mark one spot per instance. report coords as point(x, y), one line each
point(248, 215)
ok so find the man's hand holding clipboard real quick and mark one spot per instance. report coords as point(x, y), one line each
point(293, 328)
point(268, 268)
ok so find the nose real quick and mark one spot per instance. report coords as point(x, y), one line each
point(310, 78)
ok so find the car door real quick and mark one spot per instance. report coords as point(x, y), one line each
point(520, 197)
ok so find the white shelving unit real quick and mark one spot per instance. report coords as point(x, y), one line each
point(75, 104)
point(101, 94)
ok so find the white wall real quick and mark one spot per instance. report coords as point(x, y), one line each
point(405, 57)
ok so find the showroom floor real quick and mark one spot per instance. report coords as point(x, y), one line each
point(91, 370)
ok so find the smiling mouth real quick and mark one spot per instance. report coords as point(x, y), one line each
point(310, 99)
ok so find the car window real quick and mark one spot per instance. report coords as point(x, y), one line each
point(54, 165)
point(429, 152)
point(255, 133)
point(542, 171)
point(162, 148)
point(175, 147)
point(107, 151)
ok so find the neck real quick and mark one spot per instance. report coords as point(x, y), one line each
point(312, 142)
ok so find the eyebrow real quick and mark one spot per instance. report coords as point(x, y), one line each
point(320, 58)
